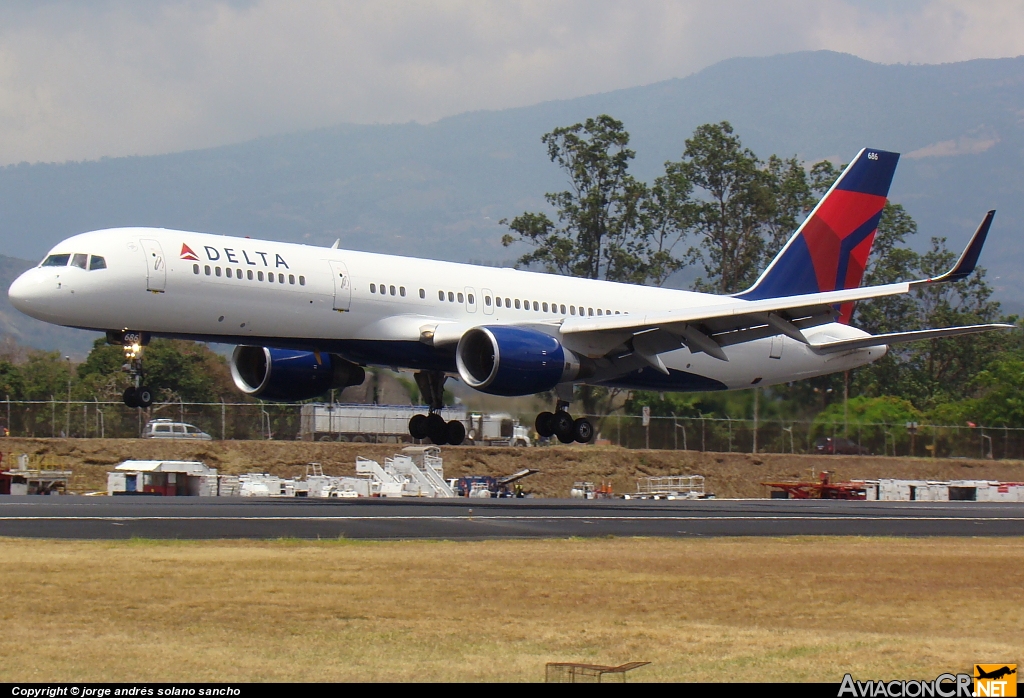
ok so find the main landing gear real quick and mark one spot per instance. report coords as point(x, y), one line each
point(137, 394)
point(432, 425)
point(561, 424)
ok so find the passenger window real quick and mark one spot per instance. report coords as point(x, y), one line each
point(179, 429)
point(590, 311)
point(392, 290)
point(461, 299)
point(383, 290)
point(280, 278)
point(164, 428)
point(96, 262)
point(440, 295)
point(517, 304)
point(248, 274)
point(562, 310)
point(302, 281)
point(56, 260)
point(423, 294)
point(508, 303)
point(195, 268)
point(536, 305)
point(471, 298)
point(373, 288)
point(451, 297)
point(607, 312)
point(291, 279)
point(207, 269)
point(616, 312)
point(259, 276)
point(270, 277)
point(401, 291)
point(497, 301)
point(572, 309)
point(487, 301)
point(598, 311)
point(227, 272)
point(216, 271)
point(80, 260)
point(544, 306)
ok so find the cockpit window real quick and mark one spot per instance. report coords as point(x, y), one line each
point(56, 260)
point(80, 261)
point(100, 263)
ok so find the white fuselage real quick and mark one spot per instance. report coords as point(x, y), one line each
point(370, 308)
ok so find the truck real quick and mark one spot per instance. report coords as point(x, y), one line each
point(364, 423)
point(390, 424)
point(500, 429)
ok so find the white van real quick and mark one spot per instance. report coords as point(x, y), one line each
point(168, 429)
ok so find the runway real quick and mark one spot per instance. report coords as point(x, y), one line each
point(205, 518)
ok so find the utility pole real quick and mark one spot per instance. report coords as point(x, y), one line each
point(756, 392)
point(67, 416)
point(846, 397)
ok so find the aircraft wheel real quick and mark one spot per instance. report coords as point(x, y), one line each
point(418, 426)
point(130, 398)
point(563, 426)
point(583, 430)
point(456, 432)
point(437, 430)
point(545, 424)
point(144, 396)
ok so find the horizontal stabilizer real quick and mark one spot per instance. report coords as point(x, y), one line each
point(900, 337)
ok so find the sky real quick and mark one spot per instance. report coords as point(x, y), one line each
point(104, 78)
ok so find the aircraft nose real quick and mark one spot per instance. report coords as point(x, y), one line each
point(30, 290)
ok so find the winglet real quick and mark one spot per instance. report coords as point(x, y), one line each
point(964, 266)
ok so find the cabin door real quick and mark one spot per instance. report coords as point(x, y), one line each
point(342, 286)
point(156, 265)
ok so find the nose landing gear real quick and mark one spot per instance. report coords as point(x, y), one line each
point(138, 394)
point(432, 425)
point(561, 424)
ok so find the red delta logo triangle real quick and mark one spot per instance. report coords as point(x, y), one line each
point(187, 253)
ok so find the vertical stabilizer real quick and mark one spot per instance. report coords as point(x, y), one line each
point(829, 251)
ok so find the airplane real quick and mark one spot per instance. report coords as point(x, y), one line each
point(307, 319)
point(995, 674)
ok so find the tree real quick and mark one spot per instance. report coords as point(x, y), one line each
point(729, 222)
point(176, 369)
point(599, 233)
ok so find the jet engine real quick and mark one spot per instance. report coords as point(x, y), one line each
point(287, 375)
point(510, 361)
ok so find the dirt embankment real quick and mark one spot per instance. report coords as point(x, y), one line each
point(728, 474)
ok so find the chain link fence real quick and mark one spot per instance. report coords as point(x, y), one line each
point(783, 436)
point(241, 421)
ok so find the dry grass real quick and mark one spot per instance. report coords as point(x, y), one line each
point(712, 610)
point(728, 474)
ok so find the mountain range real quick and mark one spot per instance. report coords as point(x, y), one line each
point(438, 190)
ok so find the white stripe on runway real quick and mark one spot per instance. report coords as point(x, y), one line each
point(472, 517)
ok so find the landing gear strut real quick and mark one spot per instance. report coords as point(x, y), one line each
point(432, 425)
point(561, 424)
point(138, 394)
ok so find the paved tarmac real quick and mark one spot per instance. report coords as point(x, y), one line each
point(198, 518)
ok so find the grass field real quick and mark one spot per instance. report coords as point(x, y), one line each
point(792, 609)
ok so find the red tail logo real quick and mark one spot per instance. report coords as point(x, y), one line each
point(187, 253)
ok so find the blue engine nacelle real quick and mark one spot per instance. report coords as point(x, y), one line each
point(287, 375)
point(510, 361)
